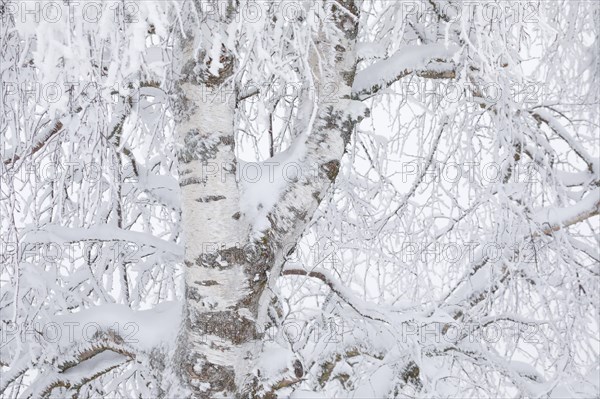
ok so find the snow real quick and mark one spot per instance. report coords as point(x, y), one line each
point(559, 291)
point(574, 390)
point(473, 283)
point(61, 235)
point(559, 217)
point(345, 293)
point(274, 359)
point(165, 188)
point(305, 394)
point(101, 361)
point(526, 370)
point(262, 183)
point(143, 329)
point(355, 109)
point(570, 179)
point(378, 385)
point(407, 58)
point(574, 143)
point(370, 50)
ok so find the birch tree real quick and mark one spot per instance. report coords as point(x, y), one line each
point(344, 198)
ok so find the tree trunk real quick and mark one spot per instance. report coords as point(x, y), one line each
point(226, 271)
point(219, 324)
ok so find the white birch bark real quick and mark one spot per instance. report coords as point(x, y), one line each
point(218, 326)
point(227, 270)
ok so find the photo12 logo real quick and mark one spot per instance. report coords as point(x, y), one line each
point(74, 173)
point(70, 11)
point(442, 93)
point(59, 252)
point(449, 333)
point(505, 13)
point(66, 332)
point(70, 92)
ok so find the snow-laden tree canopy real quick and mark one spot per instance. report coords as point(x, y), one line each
point(331, 199)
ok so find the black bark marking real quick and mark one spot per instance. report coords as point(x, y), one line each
point(227, 61)
point(298, 369)
point(196, 147)
point(331, 169)
point(337, 119)
point(227, 140)
point(226, 324)
point(211, 198)
point(348, 76)
point(191, 180)
point(411, 374)
point(300, 214)
point(206, 283)
point(193, 294)
point(223, 258)
point(260, 259)
point(340, 51)
point(198, 72)
point(220, 378)
point(255, 259)
point(344, 22)
point(234, 255)
point(291, 251)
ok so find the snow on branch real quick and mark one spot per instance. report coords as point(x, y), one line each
point(428, 61)
point(483, 281)
point(60, 234)
point(554, 218)
point(40, 141)
point(120, 334)
point(342, 292)
point(545, 116)
point(78, 375)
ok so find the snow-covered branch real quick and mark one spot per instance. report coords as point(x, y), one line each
point(431, 61)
